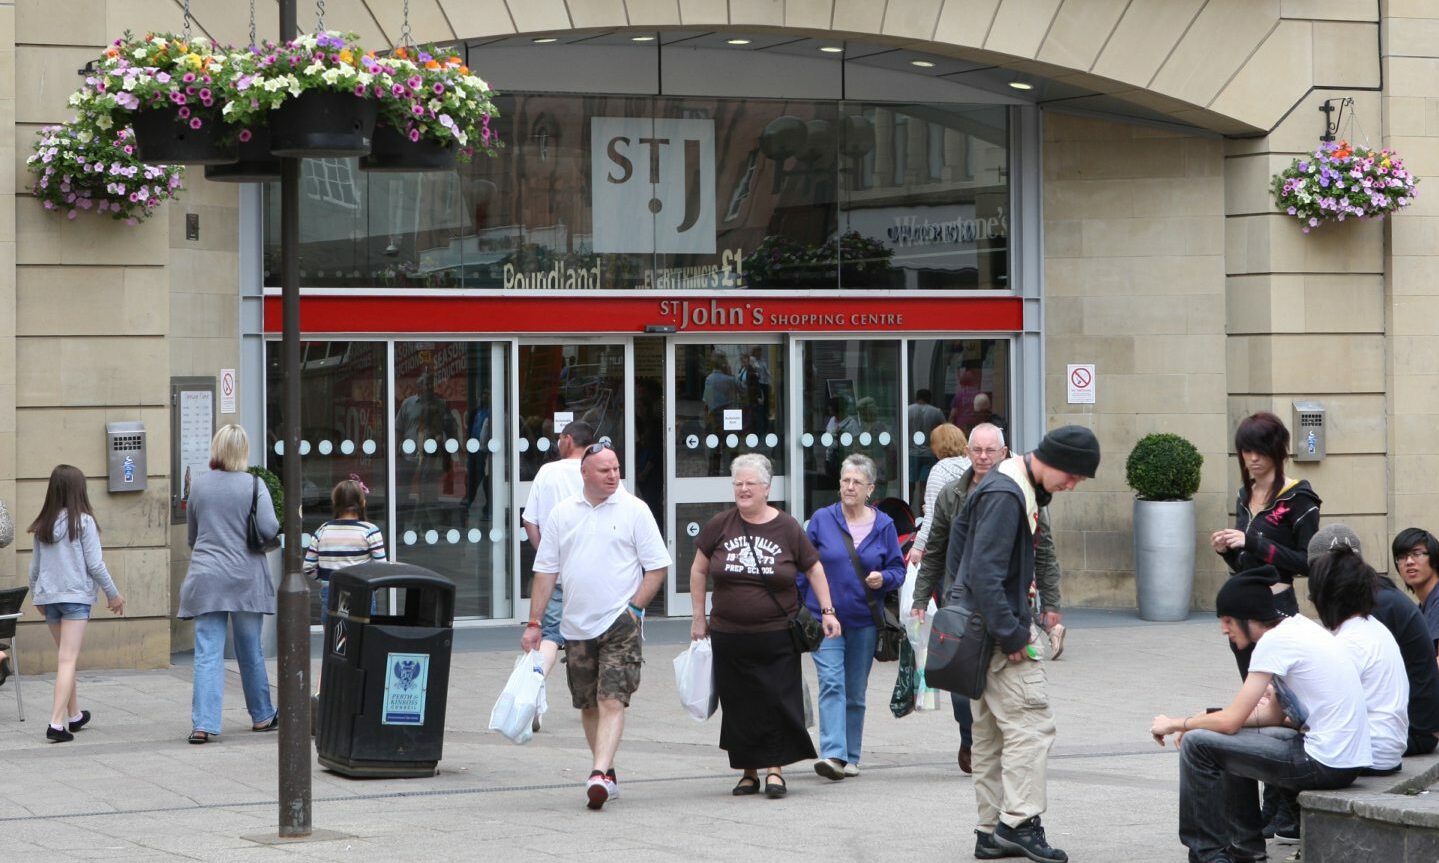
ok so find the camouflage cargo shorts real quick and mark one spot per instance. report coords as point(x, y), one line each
point(605, 667)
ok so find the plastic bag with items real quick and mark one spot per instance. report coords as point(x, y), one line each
point(695, 680)
point(522, 699)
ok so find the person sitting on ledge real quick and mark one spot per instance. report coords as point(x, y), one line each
point(1224, 754)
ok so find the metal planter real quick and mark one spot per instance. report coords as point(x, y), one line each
point(1164, 558)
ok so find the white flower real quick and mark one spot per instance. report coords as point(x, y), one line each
point(104, 121)
point(330, 76)
point(315, 68)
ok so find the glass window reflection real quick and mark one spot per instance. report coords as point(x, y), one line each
point(852, 404)
point(344, 429)
point(666, 193)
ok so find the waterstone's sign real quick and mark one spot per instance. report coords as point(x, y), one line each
point(945, 238)
point(653, 182)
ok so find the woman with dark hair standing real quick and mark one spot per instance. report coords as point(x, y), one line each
point(1274, 516)
point(1274, 519)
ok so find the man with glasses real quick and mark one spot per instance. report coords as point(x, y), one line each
point(555, 481)
point(1415, 553)
point(986, 449)
point(604, 547)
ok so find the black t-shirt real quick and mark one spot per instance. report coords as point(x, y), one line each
point(746, 592)
point(1401, 616)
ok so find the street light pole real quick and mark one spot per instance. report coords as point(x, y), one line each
point(293, 677)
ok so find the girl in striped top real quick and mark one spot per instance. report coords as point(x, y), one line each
point(345, 540)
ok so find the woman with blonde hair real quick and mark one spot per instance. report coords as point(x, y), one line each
point(228, 583)
point(948, 443)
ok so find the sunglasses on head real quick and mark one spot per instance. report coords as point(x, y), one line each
point(596, 449)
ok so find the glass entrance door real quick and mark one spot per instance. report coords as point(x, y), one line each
point(726, 398)
point(559, 382)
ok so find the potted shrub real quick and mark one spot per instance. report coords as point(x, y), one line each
point(167, 87)
point(431, 110)
point(313, 92)
point(1163, 470)
point(91, 164)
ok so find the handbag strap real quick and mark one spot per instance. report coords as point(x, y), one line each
point(860, 574)
point(254, 494)
point(749, 541)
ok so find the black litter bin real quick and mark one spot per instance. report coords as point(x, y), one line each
point(385, 676)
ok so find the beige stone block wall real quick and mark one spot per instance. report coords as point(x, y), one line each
point(1411, 125)
point(9, 575)
point(1134, 283)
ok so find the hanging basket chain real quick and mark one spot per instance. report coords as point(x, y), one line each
point(252, 23)
point(405, 38)
point(188, 19)
point(1354, 123)
point(319, 16)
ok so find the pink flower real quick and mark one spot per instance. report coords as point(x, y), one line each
point(415, 135)
point(245, 136)
point(194, 122)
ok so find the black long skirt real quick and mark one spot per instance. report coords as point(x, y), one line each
point(761, 695)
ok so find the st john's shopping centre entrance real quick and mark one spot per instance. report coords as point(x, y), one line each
point(447, 435)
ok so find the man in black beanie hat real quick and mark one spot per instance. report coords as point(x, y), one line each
point(1224, 755)
point(991, 554)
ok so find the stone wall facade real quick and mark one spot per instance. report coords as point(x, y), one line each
point(1164, 261)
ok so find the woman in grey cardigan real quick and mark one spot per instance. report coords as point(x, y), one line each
point(228, 582)
point(65, 571)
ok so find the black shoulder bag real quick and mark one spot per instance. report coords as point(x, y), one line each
point(253, 538)
point(890, 634)
point(804, 631)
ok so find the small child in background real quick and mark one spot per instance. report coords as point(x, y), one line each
point(345, 540)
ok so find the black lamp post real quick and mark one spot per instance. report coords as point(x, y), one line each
point(293, 677)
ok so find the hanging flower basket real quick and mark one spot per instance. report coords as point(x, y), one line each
point(166, 138)
point(392, 151)
point(254, 162)
point(428, 97)
point(1340, 181)
point(89, 165)
point(322, 123)
point(165, 86)
point(311, 91)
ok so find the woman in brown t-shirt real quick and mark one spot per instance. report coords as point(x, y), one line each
point(751, 555)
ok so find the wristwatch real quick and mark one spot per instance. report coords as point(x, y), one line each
point(824, 611)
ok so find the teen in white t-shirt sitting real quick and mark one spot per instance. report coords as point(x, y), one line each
point(1225, 754)
point(1341, 586)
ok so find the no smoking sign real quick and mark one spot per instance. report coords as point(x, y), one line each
point(1080, 380)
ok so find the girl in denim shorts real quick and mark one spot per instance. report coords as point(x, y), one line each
point(65, 571)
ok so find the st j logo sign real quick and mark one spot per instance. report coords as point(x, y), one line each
point(654, 185)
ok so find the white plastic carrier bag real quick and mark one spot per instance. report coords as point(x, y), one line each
point(695, 680)
point(522, 699)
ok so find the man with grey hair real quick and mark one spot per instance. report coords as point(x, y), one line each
point(986, 449)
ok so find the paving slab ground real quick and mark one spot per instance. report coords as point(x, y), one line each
point(130, 788)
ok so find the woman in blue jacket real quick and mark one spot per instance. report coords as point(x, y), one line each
point(842, 664)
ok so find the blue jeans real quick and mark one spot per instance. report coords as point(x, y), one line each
point(58, 611)
point(550, 620)
point(842, 665)
point(209, 695)
point(1219, 776)
point(964, 716)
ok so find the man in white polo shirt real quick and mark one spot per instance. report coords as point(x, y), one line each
point(604, 547)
